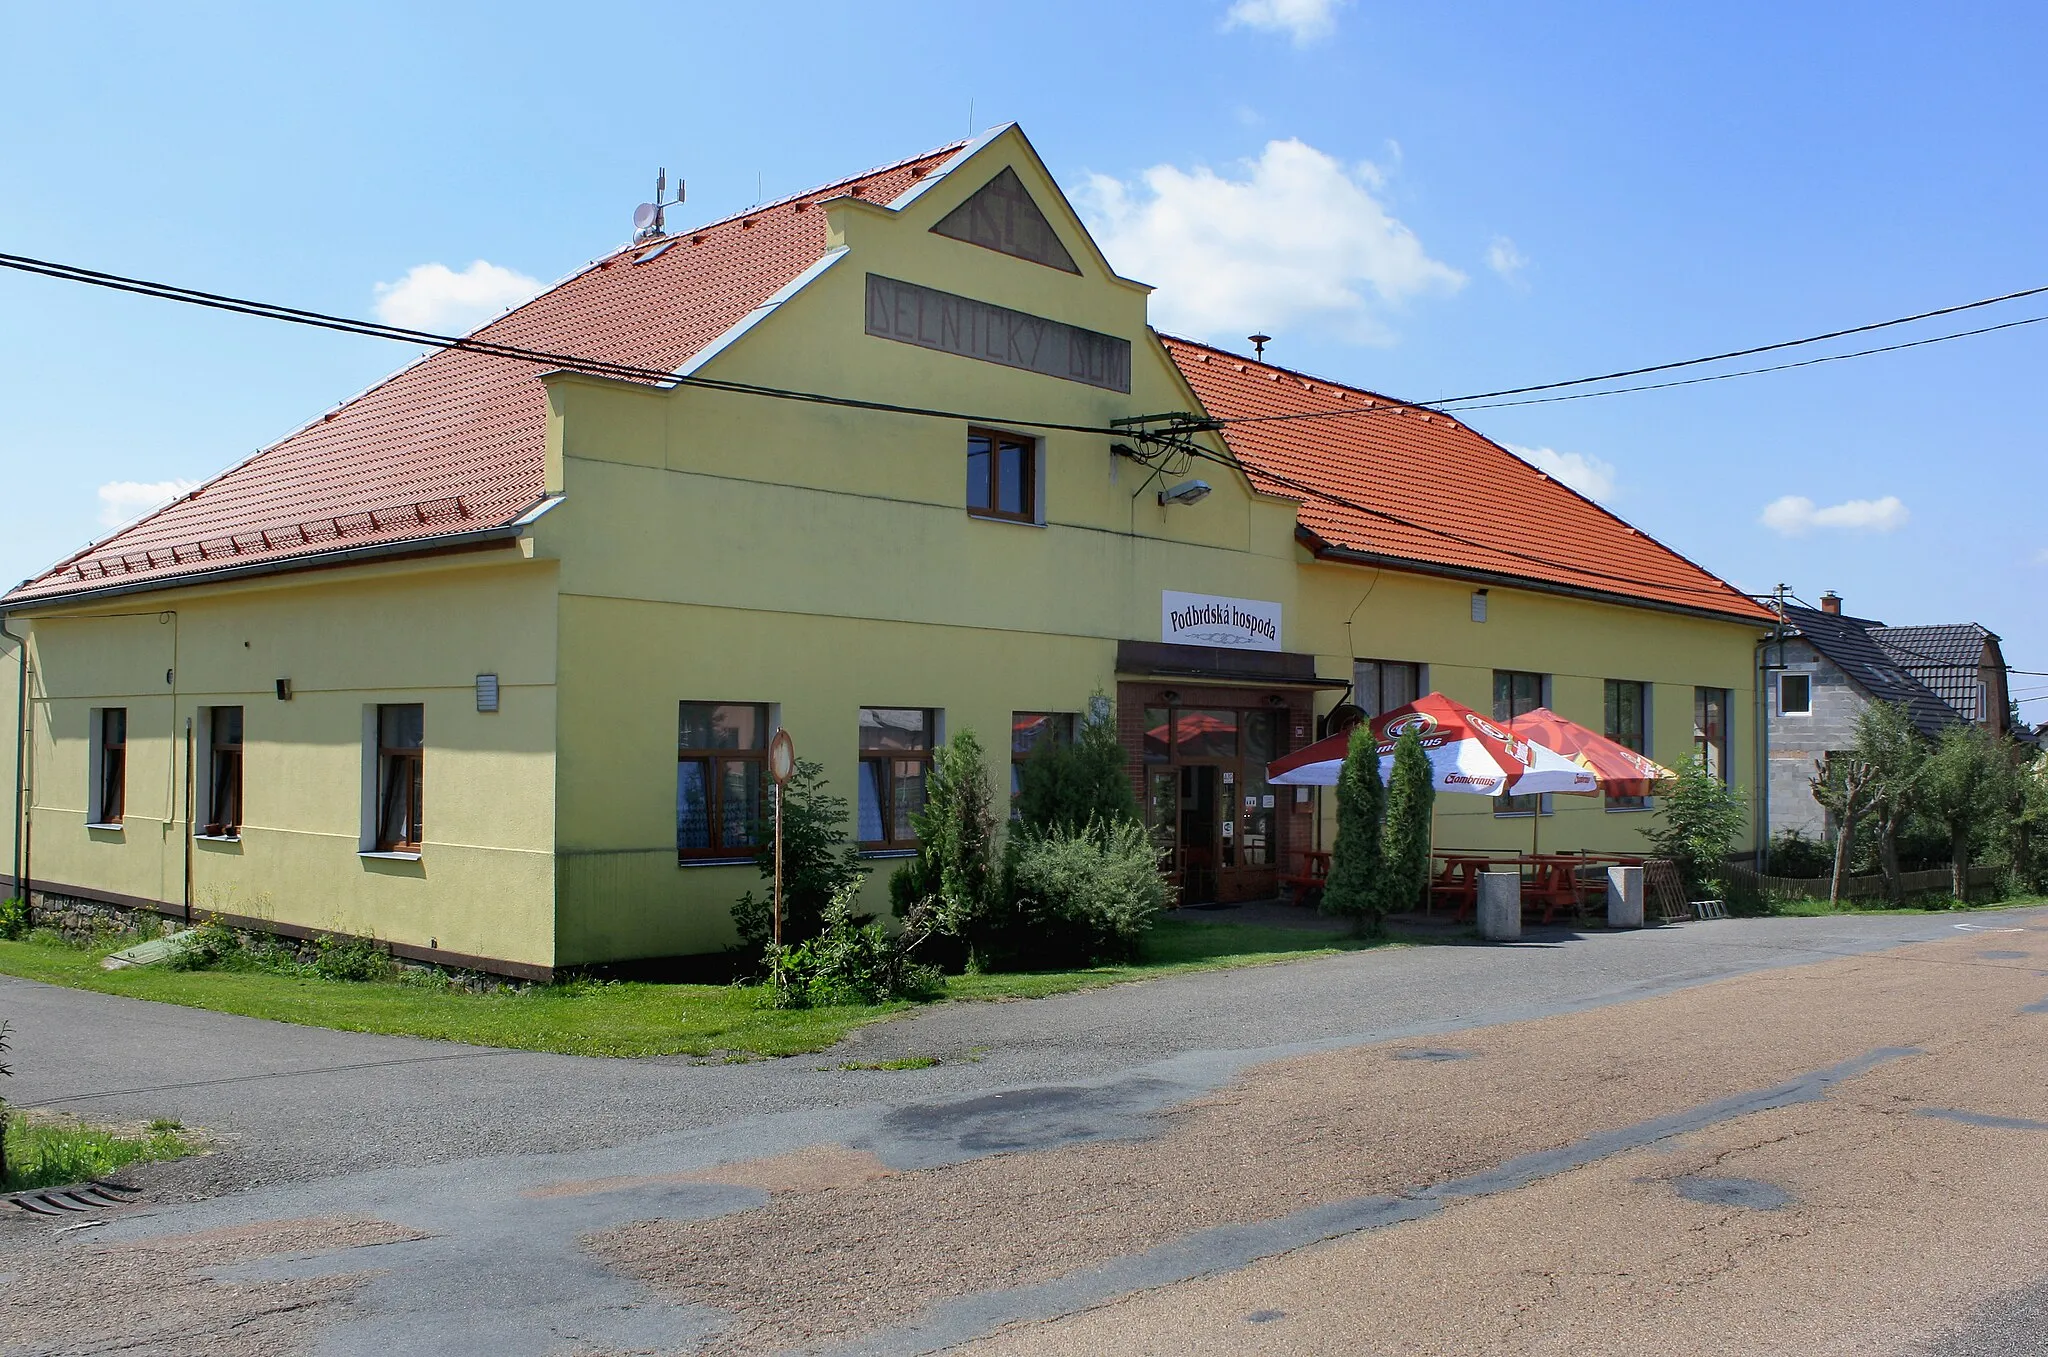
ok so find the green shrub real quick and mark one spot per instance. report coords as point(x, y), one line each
point(13, 917)
point(819, 861)
point(351, 957)
point(1083, 897)
point(954, 887)
point(1701, 817)
point(1793, 854)
point(850, 961)
point(1358, 879)
point(1411, 803)
point(1071, 786)
point(212, 945)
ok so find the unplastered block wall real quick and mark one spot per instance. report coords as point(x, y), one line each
point(1579, 643)
point(628, 664)
point(1797, 742)
point(418, 632)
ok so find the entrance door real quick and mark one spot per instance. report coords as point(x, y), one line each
point(1199, 858)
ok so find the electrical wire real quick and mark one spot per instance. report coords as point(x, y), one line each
point(1449, 401)
point(491, 348)
point(634, 372)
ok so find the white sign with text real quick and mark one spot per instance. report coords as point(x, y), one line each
point(1207, 620)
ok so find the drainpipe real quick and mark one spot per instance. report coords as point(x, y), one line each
point(20, 751)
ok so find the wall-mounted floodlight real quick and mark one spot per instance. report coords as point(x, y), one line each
point(1187, 492)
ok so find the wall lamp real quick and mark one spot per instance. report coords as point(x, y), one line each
point(1187, 492)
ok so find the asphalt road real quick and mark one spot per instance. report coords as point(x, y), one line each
point(1153, 1167)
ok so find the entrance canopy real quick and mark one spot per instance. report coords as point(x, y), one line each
point(1467, 753)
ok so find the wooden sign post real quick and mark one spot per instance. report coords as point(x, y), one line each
point(781, 767)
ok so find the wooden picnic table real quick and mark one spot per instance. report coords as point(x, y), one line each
point(1311, 879)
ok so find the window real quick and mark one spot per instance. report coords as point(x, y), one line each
point(1379, 686)
point(110, 755)
point(895, 756)
point(224, 772)
point(1795, 694)
point(1710, 729)
point(721, 778)
point(401, 776)
point(1516, 694)
point(1002, 475)
point(1628, 725)
point(1028, 729)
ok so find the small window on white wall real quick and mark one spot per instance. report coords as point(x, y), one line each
point(1795, 694)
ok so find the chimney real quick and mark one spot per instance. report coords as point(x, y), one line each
point(1831, 603)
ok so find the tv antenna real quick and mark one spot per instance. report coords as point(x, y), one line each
point(650, 219)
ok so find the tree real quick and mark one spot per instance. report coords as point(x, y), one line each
point(1067, 787)
point(1965, 786)
point(1896, 753)
point(1702, 818)
point(1846, 786)
point(1411, 801)
point(955, 870)
point(819, 861)
point(1358, 886)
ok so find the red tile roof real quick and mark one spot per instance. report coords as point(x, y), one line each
point(456, 442)
point(1410, 485)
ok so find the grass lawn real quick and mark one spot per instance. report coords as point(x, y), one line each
point(1813, 909)
point(622, 1019)
point(59, 1153)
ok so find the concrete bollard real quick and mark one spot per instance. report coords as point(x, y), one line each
point(1624, 897)
point(1500, 906)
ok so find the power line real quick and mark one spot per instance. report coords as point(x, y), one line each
point(598, 367)
point(1681, 363)
point(1752, 372)
point(637, 373)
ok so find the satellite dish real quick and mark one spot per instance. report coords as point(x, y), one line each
point(644, 215)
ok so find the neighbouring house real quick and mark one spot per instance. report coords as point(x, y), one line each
point(484, 662)
point(1831, 666)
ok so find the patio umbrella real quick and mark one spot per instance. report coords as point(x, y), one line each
point(1467, 753)
point(1620, 770)
point(1617, 769)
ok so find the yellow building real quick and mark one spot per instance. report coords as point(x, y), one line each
point(483, 662)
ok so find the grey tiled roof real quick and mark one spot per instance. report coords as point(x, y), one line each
point(1847, 642)
point(1945, 658)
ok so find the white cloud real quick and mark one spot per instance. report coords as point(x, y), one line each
point(1590, 476)
point(1505, 259)
point(437, 298)
point(1305, 21)
point(125, 501)
point(1298, 242)
point(1796, 515)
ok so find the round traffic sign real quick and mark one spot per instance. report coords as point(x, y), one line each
point(781, 757)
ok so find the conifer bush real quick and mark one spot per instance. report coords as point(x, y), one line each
point(819, 861)
point(1358, 878)
point(1411, 802)
point(1071, 786)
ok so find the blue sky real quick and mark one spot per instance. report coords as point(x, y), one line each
point(1427, 200)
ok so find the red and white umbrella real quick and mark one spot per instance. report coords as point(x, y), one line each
point(1467, 753)
point(1619, 770)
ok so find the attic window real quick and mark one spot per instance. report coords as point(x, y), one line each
point(858, 190)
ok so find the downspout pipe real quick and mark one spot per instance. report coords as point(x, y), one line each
point(20, 749)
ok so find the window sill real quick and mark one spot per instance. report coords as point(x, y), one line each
point(1005, 518)
point(1629, 810)
point(116, 827)
point(389, 855)
point(872, 854)
point(747, 861)
point(218, 838)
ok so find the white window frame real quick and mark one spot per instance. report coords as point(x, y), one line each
point(1807, 675)
point(373, 769)
point(202, 773)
